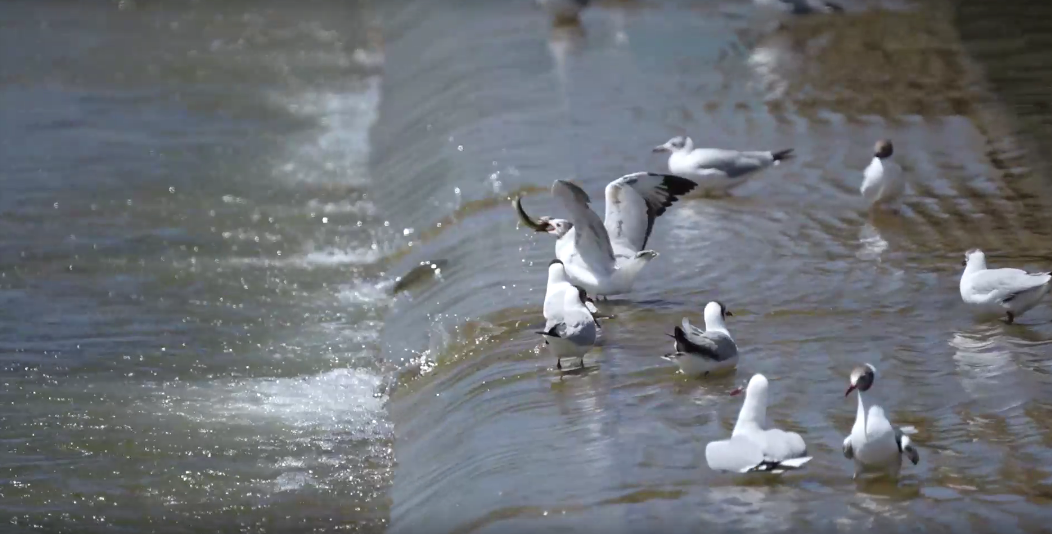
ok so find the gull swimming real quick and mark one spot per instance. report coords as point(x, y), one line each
point(1008, 291)
point(751, 448)
point(569, 328)
point(882, 181)
point(803, 7)
point(605, 258)
point(700, 352)
point(564, 12)
point(717, 170)
point(874, 444)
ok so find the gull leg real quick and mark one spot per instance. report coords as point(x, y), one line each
point(558, 363)
point(1011, 317)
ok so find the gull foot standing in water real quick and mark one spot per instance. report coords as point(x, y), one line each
point(882, 182)
point(751, 448)
point(874, 444)
point(569, 328)
point(1008, 291)
point(605, 258)
point(715, 170)
point(564, 12)
point(698, 352)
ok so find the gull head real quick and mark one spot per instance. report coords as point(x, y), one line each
point(975, 256)
point(883, 149)
point(556, 265)
point(861, 378)
point(673, 145)
point(717, 308)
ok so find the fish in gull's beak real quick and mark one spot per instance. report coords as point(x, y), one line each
point(537, 226)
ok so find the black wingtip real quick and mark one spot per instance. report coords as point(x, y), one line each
point(552, 332)
point(782, 154)
point(677, 185)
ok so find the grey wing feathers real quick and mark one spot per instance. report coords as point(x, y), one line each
point(731, 162)
point(700, 346)
point(1007, 283)
point(589, 232)
point(635, 200)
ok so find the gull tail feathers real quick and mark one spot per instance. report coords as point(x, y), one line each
point(776, 467)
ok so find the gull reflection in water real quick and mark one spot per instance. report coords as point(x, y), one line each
point(982, 361)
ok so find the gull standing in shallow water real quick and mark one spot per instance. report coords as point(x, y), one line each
point(882, 182)
point(1008, 291)
point(716, 170)
point(751, 448)
point(569, 329)
point(605, 258)
point(698, 352)
point(874, 444)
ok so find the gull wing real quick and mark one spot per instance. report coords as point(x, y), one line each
point(590, 236)
point(634, 201)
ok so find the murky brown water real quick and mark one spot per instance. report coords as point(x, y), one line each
point(205, 207)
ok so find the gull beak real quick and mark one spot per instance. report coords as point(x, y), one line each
point(737, 391)
point(660, 148)
point(537, 226)
point(849, 390)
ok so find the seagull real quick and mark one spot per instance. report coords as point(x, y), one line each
point(564, 12)
point(1008, 291)
point(717, 170)
point(700, 352)
point(605, 259)
point(882, 181)
point(874, 444)
point(570, 328)
point(751, 448)
point(803, 7)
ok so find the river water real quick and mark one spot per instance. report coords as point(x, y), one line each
point(209, 211)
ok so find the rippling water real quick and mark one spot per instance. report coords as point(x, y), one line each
point(212, 212)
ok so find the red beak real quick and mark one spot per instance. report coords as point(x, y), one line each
point(736, 390)
point(849, 390)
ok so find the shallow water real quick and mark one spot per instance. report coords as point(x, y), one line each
point(207, 208)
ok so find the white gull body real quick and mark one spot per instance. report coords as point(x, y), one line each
point(874, 445)
point(751, 448)
point(701, 352)
point(569, 329)
point(606, 257)
point(882, 180)
point(1001, 291)
point(716, 170)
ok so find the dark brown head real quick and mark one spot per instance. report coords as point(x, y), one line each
point(883, 149)
point(862, 378)
point(583, 294)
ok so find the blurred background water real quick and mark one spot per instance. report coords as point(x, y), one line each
point(209, 209)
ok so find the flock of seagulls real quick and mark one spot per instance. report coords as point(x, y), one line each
point(602, 258)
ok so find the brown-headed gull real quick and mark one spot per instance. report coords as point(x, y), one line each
point(996, 291)
point(716, 170)
point(882, 181)
point(700, 352)
point(569, 328)
point(875, 445)
point(605, 258)
point(751, 448)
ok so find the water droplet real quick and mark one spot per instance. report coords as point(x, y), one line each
point(460, 148)
point(325, 220)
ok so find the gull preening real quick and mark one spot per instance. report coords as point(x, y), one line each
point(874, 445)
point(751, 448)
point(700, 352)
point(882, 181)
point(996, 291)
point(564, 12)
point(569, 328)
point(605, 259)
point(716, 170)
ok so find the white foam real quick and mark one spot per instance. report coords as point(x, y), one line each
point(338, 149)
point(345, 401)
point(366, 292)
